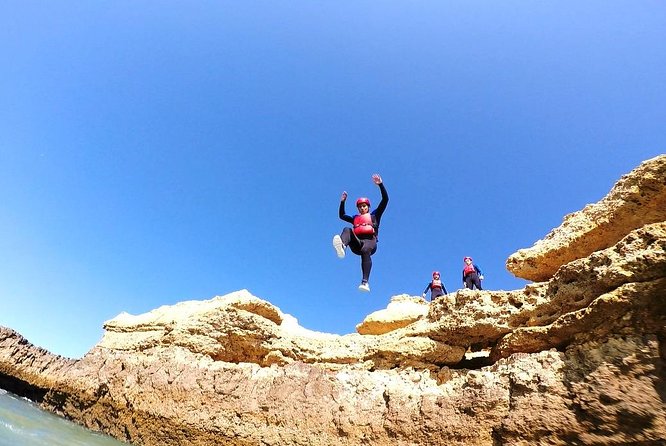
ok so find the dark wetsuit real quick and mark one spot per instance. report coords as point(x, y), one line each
point(471, 278)
point(435, 291)
point(364, 245)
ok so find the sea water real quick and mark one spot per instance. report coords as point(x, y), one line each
point(23, 423)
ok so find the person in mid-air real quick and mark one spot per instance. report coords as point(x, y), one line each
point(471, 274)
point(362, 236)
point(436, 287)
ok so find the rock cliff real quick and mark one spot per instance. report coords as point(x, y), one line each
point(638, 198)
point(576, 358)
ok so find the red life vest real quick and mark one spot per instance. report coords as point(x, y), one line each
point(436, 283)
point(363, 224)
point(469, 269)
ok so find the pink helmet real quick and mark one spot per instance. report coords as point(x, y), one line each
point(467, 258)
point(435, 273)
point(362, 200)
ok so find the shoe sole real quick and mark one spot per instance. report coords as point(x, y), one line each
point(338, 245)
point(365, 289)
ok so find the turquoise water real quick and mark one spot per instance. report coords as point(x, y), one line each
point(23, 423)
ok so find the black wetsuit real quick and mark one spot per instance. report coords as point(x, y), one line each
point(435, 291)
point(472, 279)
point(364, 245)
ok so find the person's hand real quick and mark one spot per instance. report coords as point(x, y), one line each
point(376, 179)
point(481, 277)
point(343, 197)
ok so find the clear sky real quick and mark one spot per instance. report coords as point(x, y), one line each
point(159, 151)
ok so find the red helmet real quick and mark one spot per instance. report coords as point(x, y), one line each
point(361, 201)
point(435, 273)
point(465, 258)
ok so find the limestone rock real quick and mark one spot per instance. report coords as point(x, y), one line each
point(240, 327)
point(639, 198)
point(578, 358)
point(401, 311)
point(178, 398)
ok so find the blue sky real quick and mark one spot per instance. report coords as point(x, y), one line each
point(155, 152)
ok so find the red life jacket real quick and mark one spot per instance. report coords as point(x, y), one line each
point(363, 224)
point(469, 269)
point(436, 283)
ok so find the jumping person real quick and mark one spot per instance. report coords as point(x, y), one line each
point(362, 237)
point(471, 274)
point(436, 287)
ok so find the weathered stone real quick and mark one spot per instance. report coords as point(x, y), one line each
point(401, 311)
point(577, 359)
point(639, 198)
point(234, 328)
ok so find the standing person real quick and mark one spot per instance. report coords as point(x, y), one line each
point(362, 236)
point(436, 287)
point(472, 275)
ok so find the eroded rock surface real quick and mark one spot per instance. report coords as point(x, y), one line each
point(639, 198)
point(401, 311)
point(578, 358)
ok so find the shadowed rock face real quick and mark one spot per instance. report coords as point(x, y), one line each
point(575, 359)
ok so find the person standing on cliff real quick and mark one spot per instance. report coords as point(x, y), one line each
point(436, 287)
point(471, 274)
point(362, 236)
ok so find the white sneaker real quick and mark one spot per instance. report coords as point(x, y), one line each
point(339, 246)
point(364, 287)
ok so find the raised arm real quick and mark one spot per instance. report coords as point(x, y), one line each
point(341, 211)
point(382, 204)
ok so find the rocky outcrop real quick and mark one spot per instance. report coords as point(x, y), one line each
point(577, 358)
point(240, 327)
point(23, 366)
point(639, 198)
point(402, 311)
